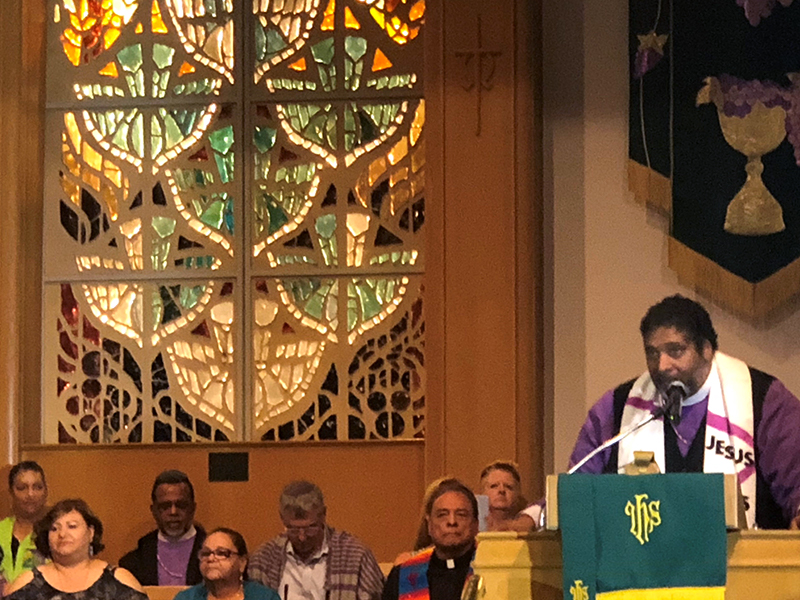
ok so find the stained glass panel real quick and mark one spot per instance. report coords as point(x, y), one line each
point(140, 362)
point(330, 364)
point(184, 182)
point(142, 190)
point(326, 207)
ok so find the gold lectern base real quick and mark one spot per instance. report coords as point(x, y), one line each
point(762, 564)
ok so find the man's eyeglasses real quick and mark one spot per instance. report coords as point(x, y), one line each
point(207, 553)
point(307, 530)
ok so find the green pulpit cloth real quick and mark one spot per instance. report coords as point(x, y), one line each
point(650, 537)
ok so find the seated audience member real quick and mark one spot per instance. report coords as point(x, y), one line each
point(439, 573)
point(311, 560)
point(168, 555)
point(223, 560)
point(71, 535)
point(28, 489)
point(500, 482)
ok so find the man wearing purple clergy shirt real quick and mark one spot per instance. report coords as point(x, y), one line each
point(680, 345)
point(168, 555)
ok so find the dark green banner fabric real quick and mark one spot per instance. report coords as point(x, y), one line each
point(650, 531)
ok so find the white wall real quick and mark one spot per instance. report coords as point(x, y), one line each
point(607, 256)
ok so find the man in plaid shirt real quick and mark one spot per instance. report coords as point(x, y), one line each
point(311, 561)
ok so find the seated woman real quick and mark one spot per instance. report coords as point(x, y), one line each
point(28, 491)
point(500, 482)
point(223, 564)
point(70, 535)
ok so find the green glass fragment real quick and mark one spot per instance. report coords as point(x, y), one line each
point(323, 51)
point(139, 77)
point(211, 7)
point(315, 303)
point(138, 135)
point(190, 295)
point(163, 226)
point(173, 133)
point(261, 43)
point(222, 139)
point(264, 138)
point(130, 58)
point(213, 214)
point(157, 309)
point(355, 47)
point(277, 216)
point(163, 55)
point(156, 139)
point(275, 43)
point(370, 306)
point(326, 225)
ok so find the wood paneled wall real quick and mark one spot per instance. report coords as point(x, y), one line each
point(372, 490)
point(483, 293)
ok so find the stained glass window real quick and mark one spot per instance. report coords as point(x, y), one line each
point(234, 218)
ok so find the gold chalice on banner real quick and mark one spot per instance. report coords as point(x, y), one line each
point(754, 210)
point(759, 131)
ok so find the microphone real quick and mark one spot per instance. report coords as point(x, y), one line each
point(674, 395)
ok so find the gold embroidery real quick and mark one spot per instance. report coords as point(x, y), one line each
point(645, 517)
point(579, 591)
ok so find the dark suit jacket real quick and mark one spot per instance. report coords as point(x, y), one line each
point(143, 561)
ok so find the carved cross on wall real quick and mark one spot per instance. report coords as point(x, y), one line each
point(479, 67)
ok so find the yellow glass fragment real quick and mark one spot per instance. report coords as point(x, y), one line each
point(109, 37)
point(186, 68)
point(378, 16)
point(417, 11)
point(327, 22)
point(417, 123)
point(72, 37)
point(92, 179)
point(72, 164)
point(71, 189)
point(110, 70)
point(92, 157)
point(139, 28)
point(156, 22)
point(113, 172)
point(399, 151)
point(350, 20)
point(376, 169)
point(57, 14)
point(72, 130)
point(70, 6)
point(111, 201)
point(380, 62)
point(299, 65)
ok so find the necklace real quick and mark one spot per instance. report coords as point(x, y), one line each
point(168, 571)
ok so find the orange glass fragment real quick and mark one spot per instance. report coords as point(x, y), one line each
point(73, 53)
point(327, 22)
point(186, 68)
point(156, 22)
point(139, 28)
point(299, 65)
point(380, 62)
point(110, 70)
point(350, 20)
point(417, 11)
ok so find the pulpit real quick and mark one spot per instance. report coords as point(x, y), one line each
point(763, 564)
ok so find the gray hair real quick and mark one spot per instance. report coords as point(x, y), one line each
point(300, 498)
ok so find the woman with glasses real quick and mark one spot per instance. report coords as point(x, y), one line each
point(70, 535)
point(223, 563)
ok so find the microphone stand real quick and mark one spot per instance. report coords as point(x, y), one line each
point(660, 412)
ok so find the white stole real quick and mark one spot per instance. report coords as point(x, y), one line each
point(729, 426)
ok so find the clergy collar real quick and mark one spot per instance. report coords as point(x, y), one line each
point(700, 394)
point(190, 533)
